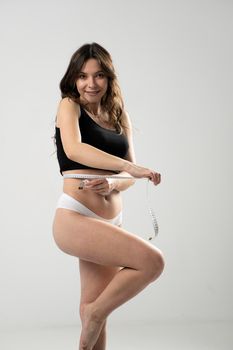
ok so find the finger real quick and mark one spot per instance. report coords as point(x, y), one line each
point(155, 178)
point(152, 177)
point(93, 182)
point(158, 178)
point(83, 184)
point(93, 185)
point(98, 188)
point(102, 191)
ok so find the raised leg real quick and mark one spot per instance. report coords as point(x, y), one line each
point(104, 244)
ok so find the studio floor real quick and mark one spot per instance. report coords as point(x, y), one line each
point(158, 336)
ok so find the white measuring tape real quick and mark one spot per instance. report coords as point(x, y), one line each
point(92, 176)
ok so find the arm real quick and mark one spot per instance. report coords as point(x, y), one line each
point(67, 120)
point(106, 186)
point(122, 185)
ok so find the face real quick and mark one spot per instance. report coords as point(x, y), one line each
point(92, 83)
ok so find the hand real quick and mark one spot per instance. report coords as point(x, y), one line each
point(140, 172)
point(102, 187)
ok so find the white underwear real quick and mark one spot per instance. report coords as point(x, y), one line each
point(67, 202)
point(94, 176)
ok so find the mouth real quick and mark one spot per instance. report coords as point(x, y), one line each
point(92, 93)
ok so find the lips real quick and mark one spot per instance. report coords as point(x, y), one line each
point(93, 93)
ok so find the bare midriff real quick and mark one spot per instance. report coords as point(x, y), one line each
point(106, 206)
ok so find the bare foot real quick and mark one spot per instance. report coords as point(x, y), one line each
point(91, 328)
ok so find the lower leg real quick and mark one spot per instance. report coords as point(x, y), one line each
point(101, 342)
point(94, 279)
point(125, 285)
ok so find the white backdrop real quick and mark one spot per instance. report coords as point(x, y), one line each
point(174, 62)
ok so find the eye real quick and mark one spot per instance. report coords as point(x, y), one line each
point(100, 75)
point(81, 76)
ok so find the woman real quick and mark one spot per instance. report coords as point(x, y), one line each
point(94, 136)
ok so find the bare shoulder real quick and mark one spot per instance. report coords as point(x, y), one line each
point(126, 121)
point(67, 110)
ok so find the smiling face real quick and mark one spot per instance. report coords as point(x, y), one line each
point(92, 83)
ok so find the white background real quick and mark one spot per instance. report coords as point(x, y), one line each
point(174, 63)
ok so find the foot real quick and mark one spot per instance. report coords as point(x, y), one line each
point(91, 327)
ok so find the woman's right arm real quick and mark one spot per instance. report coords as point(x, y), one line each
point(67, 120)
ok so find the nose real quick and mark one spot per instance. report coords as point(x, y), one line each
point(91, 82)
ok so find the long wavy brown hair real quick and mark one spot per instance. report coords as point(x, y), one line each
point(112, 101)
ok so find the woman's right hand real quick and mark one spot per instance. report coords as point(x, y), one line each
point(141, 172)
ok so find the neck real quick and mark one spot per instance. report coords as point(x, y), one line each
point(94, 109)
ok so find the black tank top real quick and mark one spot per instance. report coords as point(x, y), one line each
point(109, 141)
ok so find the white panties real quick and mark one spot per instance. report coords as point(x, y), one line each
point(67, 202)
point(94, 176)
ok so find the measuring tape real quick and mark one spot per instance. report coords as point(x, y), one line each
point(92, 176)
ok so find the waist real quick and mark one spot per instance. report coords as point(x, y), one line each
point(103, 205)
point(90, 171)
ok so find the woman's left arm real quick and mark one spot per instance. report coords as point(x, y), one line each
point(106, 186)
point(122, 185)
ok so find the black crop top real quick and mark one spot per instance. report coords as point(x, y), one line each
point(109, 141)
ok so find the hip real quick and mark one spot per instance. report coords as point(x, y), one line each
point(66, 201)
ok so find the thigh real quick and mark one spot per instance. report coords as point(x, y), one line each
point(99, 242)
point(94, 279)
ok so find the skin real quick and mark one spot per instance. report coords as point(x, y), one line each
point(115, 265)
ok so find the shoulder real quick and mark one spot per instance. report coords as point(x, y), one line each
point(67, 108)
point(126, 121)
point(66, 104)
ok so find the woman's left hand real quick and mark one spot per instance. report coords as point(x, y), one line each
point(100, 186)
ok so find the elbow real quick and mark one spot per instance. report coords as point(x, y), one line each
point(72, 153)
point(74, 156)
point(69, 155)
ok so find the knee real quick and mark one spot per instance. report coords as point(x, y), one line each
point(155, 265)
point(81, 314)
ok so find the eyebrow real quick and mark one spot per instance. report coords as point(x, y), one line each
point(99, 71)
